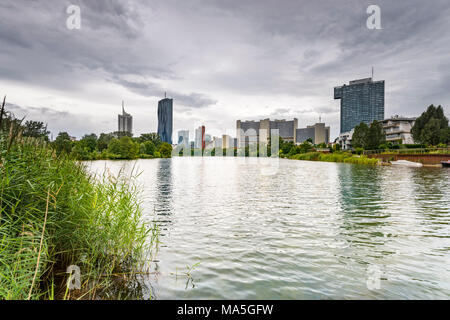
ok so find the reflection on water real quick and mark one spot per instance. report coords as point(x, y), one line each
point(312, 231)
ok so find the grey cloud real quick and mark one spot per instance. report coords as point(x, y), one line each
point(58, 121)
point(250, 49)
point(149, 89)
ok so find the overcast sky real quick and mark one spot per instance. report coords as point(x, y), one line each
point(220, 60)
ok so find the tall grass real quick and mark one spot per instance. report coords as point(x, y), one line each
point(54, 214)
point(344, 157)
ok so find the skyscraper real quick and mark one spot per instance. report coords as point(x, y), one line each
point(200, 137)
point(183, 137)
point(125, 121)
point(361, 101)
point(165, 120)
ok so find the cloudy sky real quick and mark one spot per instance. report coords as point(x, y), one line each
point(220, 60)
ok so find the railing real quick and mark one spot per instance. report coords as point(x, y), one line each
point(409, 151)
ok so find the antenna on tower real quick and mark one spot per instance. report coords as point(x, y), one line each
point(372, 72)
point(320, 119)
point(123, 107)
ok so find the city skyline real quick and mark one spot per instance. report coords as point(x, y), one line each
point(274, 61)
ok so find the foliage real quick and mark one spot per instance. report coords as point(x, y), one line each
point(54, 214)
point(124, 148)
point(153, 137)
point(148, 148)
point(104, 140)
point(165, 150)
point(368, 137)
point(35, 129)
point(344, 157)
point(431, 127)
point(89, 142)
point(62, 143)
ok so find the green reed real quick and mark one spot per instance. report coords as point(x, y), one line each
point(54, 214)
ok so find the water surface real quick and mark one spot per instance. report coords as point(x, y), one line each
point(314, 230)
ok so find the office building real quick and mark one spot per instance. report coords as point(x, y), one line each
point(125, 121)
point(361, 101)
point(250, 132)
point(227, 142)
point(318, 134)
point(398, 129)
point(165, 120)
point(200, 137)
point(183, 137)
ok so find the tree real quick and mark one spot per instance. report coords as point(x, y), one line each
point(165, 150)
point(431, 127)
point(431, 132)
point(153, 137)
point(120, 134)
point(285, 146)
point(368, 137)
point(445, 135)
point(104, 140)
point(375, 136)
point(148, 148)
point(89, 142)
point(35, 129)
point(80, 152)
point(360, 135)
point(63, 143)
point(124, 148)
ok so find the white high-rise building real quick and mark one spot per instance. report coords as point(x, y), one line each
point(125, 121)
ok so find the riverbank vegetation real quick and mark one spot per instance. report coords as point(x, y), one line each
point(307, 151)
point(345, 157)
point(432, 128)
point(54, 215)
point(117, 145)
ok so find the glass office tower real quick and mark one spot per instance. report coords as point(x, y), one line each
point(165, 120)
point(361, 101)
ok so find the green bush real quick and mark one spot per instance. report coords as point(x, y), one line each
point(54, 214)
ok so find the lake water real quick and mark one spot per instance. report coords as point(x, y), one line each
point(312, 230)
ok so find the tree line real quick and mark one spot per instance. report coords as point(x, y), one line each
point(430, 129)
point(116, 145)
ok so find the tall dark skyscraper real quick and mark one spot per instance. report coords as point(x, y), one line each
point(125, 121)
point(361, 101)
point(165, 120)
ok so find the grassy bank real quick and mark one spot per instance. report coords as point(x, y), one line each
point(344, 157)
point(54, 215)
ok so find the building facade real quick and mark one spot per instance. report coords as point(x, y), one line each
point(200, 137)
point(227, 142)
point(345, 140)
point(361, 101)
point(318, 133)
point(165, 120)
point(125, 121)
point(398, 130)
point(183, 137)
point(254, 132)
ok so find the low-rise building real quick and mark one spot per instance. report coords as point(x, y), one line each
point(345, 140)
point(398, 129)
point(318, 134)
